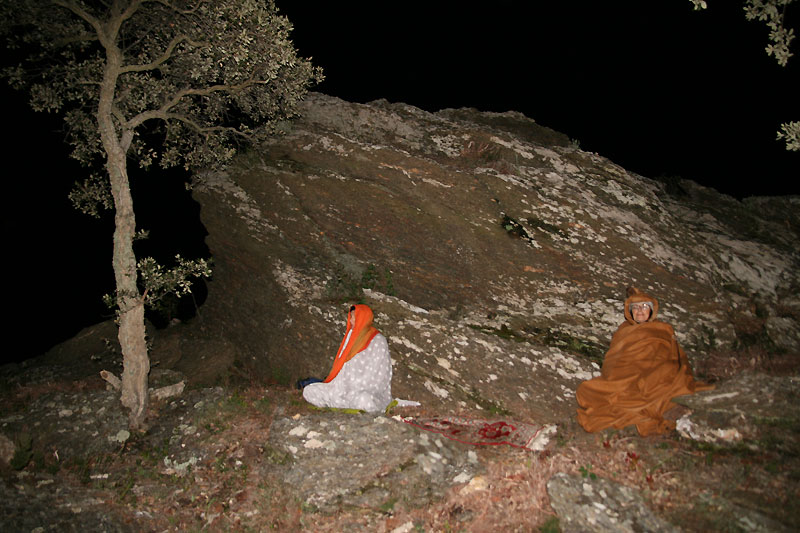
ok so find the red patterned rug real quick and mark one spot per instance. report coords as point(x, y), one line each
point(487, 432)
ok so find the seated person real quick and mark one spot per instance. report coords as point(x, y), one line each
point(643, 370)
point(361, 377)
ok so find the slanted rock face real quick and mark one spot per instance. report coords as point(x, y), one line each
point(494, 254)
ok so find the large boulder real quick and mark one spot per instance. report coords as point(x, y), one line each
point(494, 254)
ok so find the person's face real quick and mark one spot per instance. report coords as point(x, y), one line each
point(640, 312)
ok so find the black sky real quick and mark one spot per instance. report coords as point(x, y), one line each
point(657, 87)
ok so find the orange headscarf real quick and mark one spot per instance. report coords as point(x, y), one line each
point(356, 339)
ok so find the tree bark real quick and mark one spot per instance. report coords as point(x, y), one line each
point(116, 140)
point(135, 361)
point(111, 379)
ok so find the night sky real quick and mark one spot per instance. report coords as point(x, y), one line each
point(658, 88)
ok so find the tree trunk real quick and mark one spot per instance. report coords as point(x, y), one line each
point(116, 139)
point(135, 361)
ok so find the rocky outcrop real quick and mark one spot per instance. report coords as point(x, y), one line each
point(748, 408)
point(601, 505)
point(335, 461)
point(495, 255)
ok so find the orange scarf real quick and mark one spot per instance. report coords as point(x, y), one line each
point(356, 339)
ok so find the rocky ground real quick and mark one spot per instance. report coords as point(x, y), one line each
point(495, 254)
point(246, 457)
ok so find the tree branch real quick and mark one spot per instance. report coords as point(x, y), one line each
point(155, 394)
point(73, 6)
point(170, 5)
point(199, 128)
point(164, 57)
point(78, 38)
point(163, 112)
point(111, 379)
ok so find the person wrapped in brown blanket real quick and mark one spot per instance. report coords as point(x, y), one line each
point(643, 370)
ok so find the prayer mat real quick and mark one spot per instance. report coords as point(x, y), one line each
point(487, 432)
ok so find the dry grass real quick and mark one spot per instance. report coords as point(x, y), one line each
point(488, 154)
point(234, 488)
point(14, 398)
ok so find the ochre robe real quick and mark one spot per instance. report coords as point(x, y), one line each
point(642, 372)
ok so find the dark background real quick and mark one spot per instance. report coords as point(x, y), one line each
point(658, 88)
point(655, 86)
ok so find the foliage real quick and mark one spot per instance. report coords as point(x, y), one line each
point(344, 410)
point(551, 526)
point(773, 14)
point(790, 132)
point(389, 407)
point(280, 375)
point(202, 77)
point(707, 340)
point(172, 82)
point(372, 279)
point(388, 506)
point(515, 229)
point(345, 286)
point(158, 281)
point(92, 196)
point(23, 452)
point(586, 472)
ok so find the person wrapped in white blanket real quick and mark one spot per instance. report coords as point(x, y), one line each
point(361, 377)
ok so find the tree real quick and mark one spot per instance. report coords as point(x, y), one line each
point(773, 14)
point(172, 82)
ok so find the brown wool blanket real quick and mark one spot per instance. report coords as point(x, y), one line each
point(642, 372)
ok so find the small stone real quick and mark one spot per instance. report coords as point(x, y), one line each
point(405, 528)
point(299, 431)
point(475, 484)
point(313, 444)
point(463, 477)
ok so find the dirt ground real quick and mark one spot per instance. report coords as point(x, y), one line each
point(694, 486)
